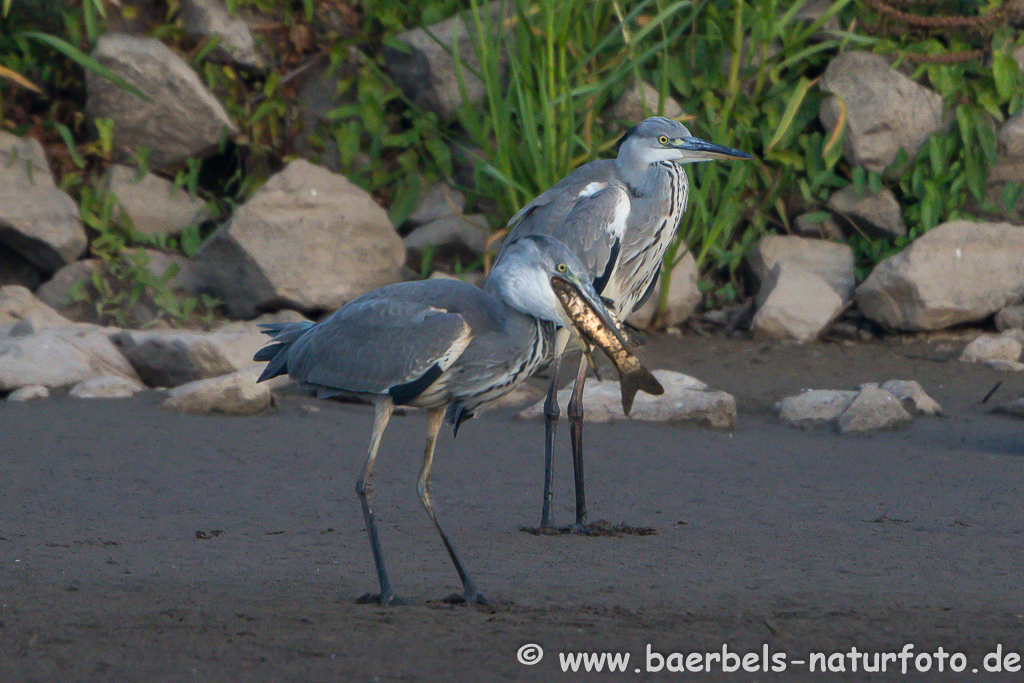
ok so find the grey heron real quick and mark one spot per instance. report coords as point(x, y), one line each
point(442, 345)
point(619, 216)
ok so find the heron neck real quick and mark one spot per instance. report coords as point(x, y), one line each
point(646, 180)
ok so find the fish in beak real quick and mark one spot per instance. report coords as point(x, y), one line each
point(587, 315)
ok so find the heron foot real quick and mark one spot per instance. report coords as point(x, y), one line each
point(382, 599)
point(473, 597)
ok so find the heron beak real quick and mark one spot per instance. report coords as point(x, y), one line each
point(696, 149)
point(572, 292)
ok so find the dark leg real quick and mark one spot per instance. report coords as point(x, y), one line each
point(551, 414)
point(576, 432)
point(434, 419)
point(364, 488)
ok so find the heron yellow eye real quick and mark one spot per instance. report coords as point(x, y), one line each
point(663, 139)
point(561, 268)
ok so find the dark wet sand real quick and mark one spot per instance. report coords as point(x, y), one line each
point(138, 544)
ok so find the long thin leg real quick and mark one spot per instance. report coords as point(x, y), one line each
point(364, 488)
point(551, 413)
point(575, 411)
point(434, 419)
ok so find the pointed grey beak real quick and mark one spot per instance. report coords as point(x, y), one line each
point(702, 150)
point(570, 291)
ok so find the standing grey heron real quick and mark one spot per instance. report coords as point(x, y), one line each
point(619, 216)
point(442, 345)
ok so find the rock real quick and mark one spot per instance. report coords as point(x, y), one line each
point(955, 273)
point(876, 214)
point(639, 101)
point(685, 399)
point(440, 201)
point(211, 19)
point(1015, 408)
point(28, 393)
point(17, 303)
point(885, 110)
point(15, 269)
point(308, 239)
point(470, 232)
point(911, 394)
point(817, 225)
point(37, 219)
point(815, 406)
point(107, 386)
point(830, 261)
point(1005, 365)
point(154, 205)
point(988, 347)
point(59, 357)
point(421, 64)
point(234, 394)
point(872, 409)
point(794, 304)
point(183, 120)
point(682, 301)
point(1010, 318)
point(174, 357)
point(56, 291)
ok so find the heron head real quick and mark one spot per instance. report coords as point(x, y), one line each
point(660, 139)
point(524, 275)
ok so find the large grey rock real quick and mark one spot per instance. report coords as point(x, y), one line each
point(234, 394)
point(794, 304)
point(685, 399)
point(183, 120)
point(470, 232)
point(107, 386)
point(56, 291)
point(955, 273)
point(873, 409)
point(154, 205)
point(32, 392)
point(815, 406)
point(59, 357)
point(876, 214)
point(913, 397)
point(831, 261)
point(683, 298)
point(421, 64)
point(989, 347)
point(639, 101)
point(37, 220)
point(308, 239)
point(1010, 318)
point(885, 110)
point(211, 19)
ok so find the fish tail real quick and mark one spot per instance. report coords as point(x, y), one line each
point(638, 378)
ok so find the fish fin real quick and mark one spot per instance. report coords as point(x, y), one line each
point(636, 380)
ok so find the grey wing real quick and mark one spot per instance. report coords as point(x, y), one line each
point(553, 205)
point(380, 345)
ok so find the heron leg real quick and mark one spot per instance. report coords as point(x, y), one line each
point(434, 419)
point(364, 488)
point(551, 413)
point(575, 411)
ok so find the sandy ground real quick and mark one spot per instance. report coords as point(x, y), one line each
point(138, 544)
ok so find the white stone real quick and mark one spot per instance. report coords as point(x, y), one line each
point(17, 304)
point(153, 205)
point(211, 19)
point(31, 392)
point(234, 394)
point(988, 347)
point(107, 386)
point(471, 232)
point(59, 357)
point(873, 409)
point(913, 396)
point(815, 406)
point(685, 399)
point(1005, 365)
point(831, 261)
point(876, 214)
